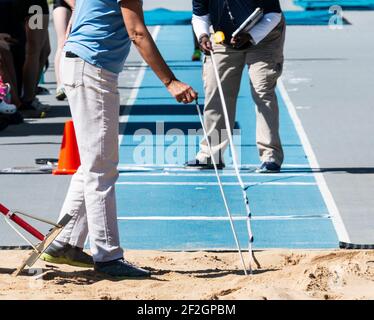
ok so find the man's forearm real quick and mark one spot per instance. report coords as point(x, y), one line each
point(201, 25)
point(133, 16)
point(150, 53)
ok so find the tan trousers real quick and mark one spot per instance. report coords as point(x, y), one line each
point(265, 64)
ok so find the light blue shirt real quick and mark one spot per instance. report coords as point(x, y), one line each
point(99, 35)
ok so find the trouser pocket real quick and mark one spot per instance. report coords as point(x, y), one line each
point(72, 72)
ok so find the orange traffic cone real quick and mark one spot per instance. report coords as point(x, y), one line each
point(69, 160)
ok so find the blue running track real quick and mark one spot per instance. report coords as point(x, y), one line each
point(165, 207)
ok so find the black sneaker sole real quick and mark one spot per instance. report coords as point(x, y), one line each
point(124, 277)
point(61, 97)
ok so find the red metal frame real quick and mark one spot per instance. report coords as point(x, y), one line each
point(22, 223)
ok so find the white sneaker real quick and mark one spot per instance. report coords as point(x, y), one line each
point(6, 108)
point(60, 94)
point(37, 105)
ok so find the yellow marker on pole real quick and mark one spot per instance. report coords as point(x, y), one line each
point(219, 37)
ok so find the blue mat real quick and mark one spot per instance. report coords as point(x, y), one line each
point(161, 17)
point(309, 18)
point(345, 4)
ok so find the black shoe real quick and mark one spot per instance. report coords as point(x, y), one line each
point(41, 91)
point(121, 269)
point(28, 111)
point(269, 167)
point(206, 165)
point(14, 118)
point(34, 105)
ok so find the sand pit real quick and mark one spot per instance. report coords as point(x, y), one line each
point(285, 274)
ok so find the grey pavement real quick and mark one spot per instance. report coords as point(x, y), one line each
point(169, 4)
point(329, 77)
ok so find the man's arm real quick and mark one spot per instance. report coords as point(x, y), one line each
point(132, 12)
point(201, 24)
point(200, 17)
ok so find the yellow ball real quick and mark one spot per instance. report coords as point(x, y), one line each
point(219, 37)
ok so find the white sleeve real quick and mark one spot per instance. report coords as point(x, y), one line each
point(265, 26)
point(201, 25)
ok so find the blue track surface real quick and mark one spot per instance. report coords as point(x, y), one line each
point(171, 208)
point(295, 18)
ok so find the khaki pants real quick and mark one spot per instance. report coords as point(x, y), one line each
point(94, 104)
point(265, 64)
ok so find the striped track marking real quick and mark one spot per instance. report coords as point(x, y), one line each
point(219, 218)
point(160, 183)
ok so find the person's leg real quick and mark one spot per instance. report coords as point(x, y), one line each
point(265, 63)
point(61, 18)
point(68, 246)
point(94, 102)
point(9, 110)
point(9, 75)
point(19, 54)
point(230, 65)
point(46, 51)
point(4, 89)
point(76, 231)
point(35, 44)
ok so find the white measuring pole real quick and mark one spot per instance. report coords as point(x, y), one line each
point(234, 159)
point(221, 188)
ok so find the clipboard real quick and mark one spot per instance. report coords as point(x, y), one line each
point(250, 22)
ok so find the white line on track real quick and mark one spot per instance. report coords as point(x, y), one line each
point(202, 183)
point(124, 118)
point(180, 167)
point(324, 189)
point(205, 174)
point(220, 218)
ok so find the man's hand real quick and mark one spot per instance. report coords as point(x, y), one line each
point(241, 40)
point(205, 44)
point(181, 92)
